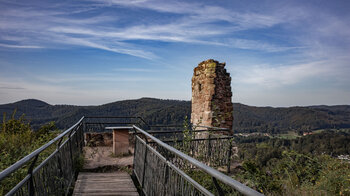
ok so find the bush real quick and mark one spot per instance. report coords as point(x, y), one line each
point(17, 140)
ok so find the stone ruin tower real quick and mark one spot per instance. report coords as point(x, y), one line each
point(211, 95)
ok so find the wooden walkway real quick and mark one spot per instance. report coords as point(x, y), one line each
point(117, 183)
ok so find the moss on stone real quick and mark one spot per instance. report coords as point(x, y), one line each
point(211, 65)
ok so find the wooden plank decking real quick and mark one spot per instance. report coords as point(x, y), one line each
point(117, 183)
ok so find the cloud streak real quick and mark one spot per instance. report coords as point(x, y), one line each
point(34, 27)
point(283, 76)
point(28, 27)
point(283, 45)
point(134, 70)
point(20, 46)
point(200, 13)
point(11, 88)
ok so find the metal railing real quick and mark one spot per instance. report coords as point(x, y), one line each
point(212, 145)
point(160, 168)
point(98, 123)
point(157, 176)
point(56, 173)
point(166, 172)
point(213, 151)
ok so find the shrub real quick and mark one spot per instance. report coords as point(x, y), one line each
point(17, 140)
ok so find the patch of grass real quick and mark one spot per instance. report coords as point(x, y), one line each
point(288, 135)
point(79, 163)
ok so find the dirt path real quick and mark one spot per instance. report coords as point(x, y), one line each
point(102, 156)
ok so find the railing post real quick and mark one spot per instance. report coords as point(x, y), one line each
point(31, 188)
point(209, 146)
point(59, 161)
point(84, 131)
point(70, 148)
point(77, 139)
point(218, 188)
point(229, 157)
point(81, 137)
point(166, 176)
point(144, 165)
point(133, 163)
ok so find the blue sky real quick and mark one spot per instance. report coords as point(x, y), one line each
point(279, 53)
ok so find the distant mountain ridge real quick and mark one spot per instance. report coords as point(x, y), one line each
point(161, 112)
point(154, 111)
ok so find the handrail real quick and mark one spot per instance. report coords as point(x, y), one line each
point(111, 117)
point(215, 128)
point(132, 117)
point(213, 172)
point(198, 139)
point(24, 160)
point(166, 125)
point(120, 117)
point(175, 131)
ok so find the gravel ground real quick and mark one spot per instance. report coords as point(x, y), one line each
point(102, 156)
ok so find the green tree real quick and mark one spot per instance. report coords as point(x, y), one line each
point(17, 140)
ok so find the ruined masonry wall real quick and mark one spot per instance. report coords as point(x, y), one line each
point(211, 95)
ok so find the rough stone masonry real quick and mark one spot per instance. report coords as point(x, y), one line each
point(211, 95)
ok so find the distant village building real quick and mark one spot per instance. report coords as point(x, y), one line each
point(211, 95)
point(307, 133)
point(344, 158)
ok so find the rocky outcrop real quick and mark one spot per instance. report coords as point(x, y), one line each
point(211, 95)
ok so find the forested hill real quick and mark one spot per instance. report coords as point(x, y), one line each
point(154, 111)
point(276, 120)
point(158, 111)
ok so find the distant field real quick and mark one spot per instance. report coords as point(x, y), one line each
point(289, 135)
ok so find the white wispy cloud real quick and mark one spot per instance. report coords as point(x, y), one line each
point(20, 46)
point(134, 70)
point(30, 28)
point(272, 76)
point(312, 34)
point(256, 45)
point(322, 47)
point(37, 27)
point(170, 33)
point(118, 48)
point(11, 87)
point(195, 23)
point(200, 13)
point(63, 79)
